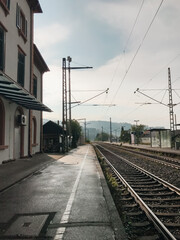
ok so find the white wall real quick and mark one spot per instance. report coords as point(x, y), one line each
point(13, 40)
point(10, 109)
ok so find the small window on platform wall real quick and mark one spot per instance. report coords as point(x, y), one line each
point(21, 22)
point(21, 68)
point(2, 34)
point(5, 4)
point(35, 86)
point(2, 123)
point(34, 130)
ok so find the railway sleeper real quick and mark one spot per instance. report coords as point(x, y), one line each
point(148, 180)
point(172, 224)
point(144, 183)
point(140, 224)
point(132, 177)
point(150, 190)
point(137, 213)
point(169, 214)
point(126, 199)
point(130, 205)
point(157, 194)
point(166, 206)
point(146, 186)
point(174, 199)
point(153, 237)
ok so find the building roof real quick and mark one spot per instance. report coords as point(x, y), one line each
point(158, 129)
point(14, 92)
point(39, 61)
point(52, 128)
point(35, 5)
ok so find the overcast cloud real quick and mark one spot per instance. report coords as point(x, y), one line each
point(95, 33)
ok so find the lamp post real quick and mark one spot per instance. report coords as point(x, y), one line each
point(136, 121)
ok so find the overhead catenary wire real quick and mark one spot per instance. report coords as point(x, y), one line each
point(151, 98)
point(143, 39)
point(87, 90)
point(155, 75)
point(105, 91)
point(141, 6)
point(127, 42)
point(162, 69)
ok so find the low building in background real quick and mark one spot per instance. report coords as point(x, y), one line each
point(146, 137)
point(160, 138)
point(52, 137)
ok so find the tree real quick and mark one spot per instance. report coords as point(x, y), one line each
point(125, 135)
point(102, 137)
point(75, 132)
point(138, 130)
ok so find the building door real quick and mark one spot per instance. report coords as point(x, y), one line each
point(17, 142)
point(18, 136)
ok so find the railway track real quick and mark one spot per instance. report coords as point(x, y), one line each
point(170, 162)
point(148, 203)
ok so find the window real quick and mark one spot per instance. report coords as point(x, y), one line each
point(35, 86)
point(21, 68)
point(2, 122)
point(5, 4)
point(1, 48)
point(21, 23)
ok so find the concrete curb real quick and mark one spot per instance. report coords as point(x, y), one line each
point(117, 225)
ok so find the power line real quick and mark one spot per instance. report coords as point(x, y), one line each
point(141, 6)
point(145, 35)
point(164, 67)
point(87, 90)
point(150, 97)
point(106, 91)
point(126, 44)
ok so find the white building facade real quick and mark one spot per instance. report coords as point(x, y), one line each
point(21, 71)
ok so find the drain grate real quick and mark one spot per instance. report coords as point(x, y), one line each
point(27, 226)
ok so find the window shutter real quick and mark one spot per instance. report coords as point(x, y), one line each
point(8, 4)
point(1, 49)
point(21, 69)
point(25, 27)
point(35, 87)
point(17, 16)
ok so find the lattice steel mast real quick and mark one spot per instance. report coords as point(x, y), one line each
point(171, 112)
point(64, 105)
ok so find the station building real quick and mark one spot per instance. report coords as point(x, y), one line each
point(21, 81)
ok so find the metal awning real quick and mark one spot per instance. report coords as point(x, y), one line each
point(14, 92)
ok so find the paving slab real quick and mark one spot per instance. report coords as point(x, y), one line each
point(64, 197)
point(90, 211)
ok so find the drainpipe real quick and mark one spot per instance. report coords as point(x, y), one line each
point(31, 78)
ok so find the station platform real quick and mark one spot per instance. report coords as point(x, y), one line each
point(74, 189)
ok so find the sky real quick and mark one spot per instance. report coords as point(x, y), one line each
point(130, 44)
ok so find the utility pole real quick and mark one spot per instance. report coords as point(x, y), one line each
point(102, 134)
point(64, 106)
point(136, 121)
point(85, 129)
point(69, 59)
point(110, 131)
point(171, 112)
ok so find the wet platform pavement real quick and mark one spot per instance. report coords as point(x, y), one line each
point(67, 199)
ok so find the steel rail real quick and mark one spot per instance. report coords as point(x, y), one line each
point(158, 224)
point(172, 187)
point(158, 159)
